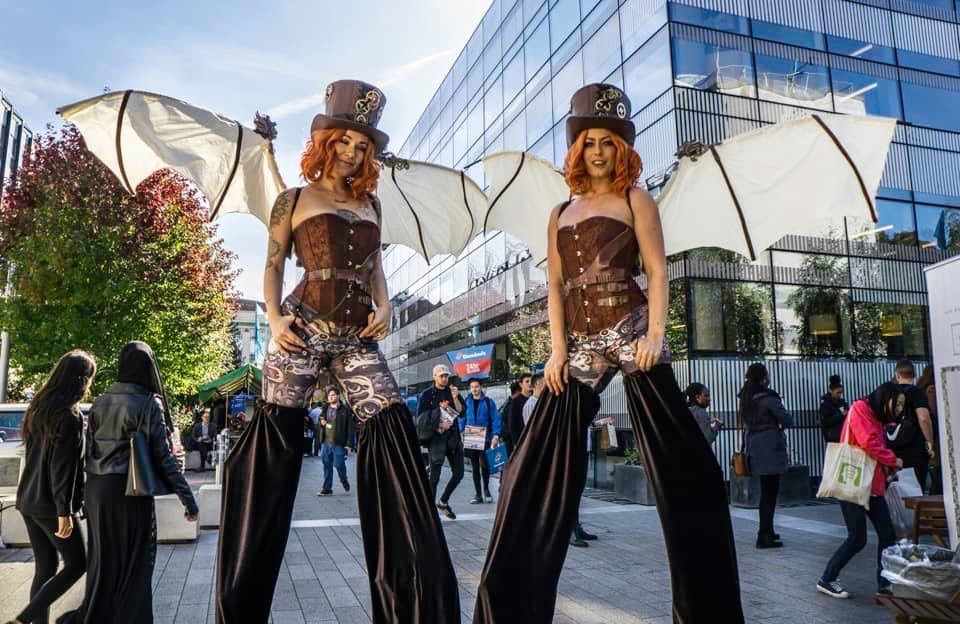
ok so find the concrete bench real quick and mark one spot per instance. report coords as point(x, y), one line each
point(13, 531)
point(172, 526)
point(192, 460)
point(209, 502)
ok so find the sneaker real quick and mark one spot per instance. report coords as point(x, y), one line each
point(832, 589)
point(583, 534)
point(576, 541)
point(476, 501)
point(447, 510)
point(325, 492)
point(487, 498)
point(346, 486)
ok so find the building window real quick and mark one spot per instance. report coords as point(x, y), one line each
point(513, 79)
point(861, 49)
point(601, 55)
point(788, 35)
point(917, 60)
point(712, 68)
point(890, 330)
point(717, 20)
point(647, 73)
point(731, 317)
point(567, 80)
point(638, 22)
point(862, 94)
point(512, 26)
point(938, 228)
point(794, 81)
point(539, 116)
point(931, 106)
point(813, 320)
point(564, 19)
point(894, 225)
point(515, 135)
point(537, 49)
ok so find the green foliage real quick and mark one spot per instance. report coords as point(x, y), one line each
point(95, 268)
point(633, 457)
point(821, 302)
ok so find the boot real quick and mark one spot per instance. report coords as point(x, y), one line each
point(583, 535)
point(575, 540)
point(766, 540)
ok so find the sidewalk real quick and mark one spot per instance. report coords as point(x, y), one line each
point(621, 578)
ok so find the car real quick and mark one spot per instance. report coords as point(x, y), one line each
point(11, 419)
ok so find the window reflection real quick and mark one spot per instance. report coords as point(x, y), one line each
point(813, 320)
point(537, 49)
point(860, 94)
point(890, 330)
point(795, 82)
point(732, 317)
point(712, 68)
point(927, 62)
point(716, 20)
point(938, 228)
point(564, 18)
point(787, 34)
point(601, 55)
point(539, 116)
point(567, 80)
point(647, 73)
point(861, 49)
point(894, 226)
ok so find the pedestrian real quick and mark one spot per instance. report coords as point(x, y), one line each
point(122, 529)
point(315, 413)
point(911, 437)
point(765, 445)
point(537, 384)
point(332, 323)
point(833, 410)
point(336, 429)
point(506, 411)
point(50, 491)
point(516, 408)
point(481, 412)
point(864, 428)
point(203, 435)
point(581, 536)
point(601, 323)
point(439, 408)
point(698, 400)
point(927, 384)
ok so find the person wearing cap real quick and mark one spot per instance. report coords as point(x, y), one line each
point(601, 322)
point(438, 413)
point(833, 410)
point(331, 322)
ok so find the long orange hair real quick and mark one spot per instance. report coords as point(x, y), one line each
point(321, 150)
point(626, 170)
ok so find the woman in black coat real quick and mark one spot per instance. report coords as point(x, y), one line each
point(122, 529)
point(51, 487)
point(765, 445)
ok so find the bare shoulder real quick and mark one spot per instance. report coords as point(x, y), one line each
point(641, 199)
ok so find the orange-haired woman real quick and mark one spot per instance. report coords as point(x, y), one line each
point(332, 321)
point(601, 322)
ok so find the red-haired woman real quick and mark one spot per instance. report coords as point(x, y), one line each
point(332, 322)
point(601, 322)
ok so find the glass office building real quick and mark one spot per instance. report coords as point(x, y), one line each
point(16, 140)
point(847, 301)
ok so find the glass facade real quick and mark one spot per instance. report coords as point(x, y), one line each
point(702, 70)
point(16, 140)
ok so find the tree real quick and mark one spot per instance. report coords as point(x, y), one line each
point(94, 268)
point(822, 311)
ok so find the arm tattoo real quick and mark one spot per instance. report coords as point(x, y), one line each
point(280, 208)
point(273, 253)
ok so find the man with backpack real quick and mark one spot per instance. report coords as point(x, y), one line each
point(911, 436)
point(438, 411)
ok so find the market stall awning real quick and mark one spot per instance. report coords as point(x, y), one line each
point(247, 378)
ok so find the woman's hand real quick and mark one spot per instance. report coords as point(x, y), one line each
point(648, 349)
point(378, 324)
point(556, 373)
point(287, 340)
point(191, 517)
point(64, 527)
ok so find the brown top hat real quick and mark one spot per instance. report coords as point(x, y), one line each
point(354, 105)
point(600, 105)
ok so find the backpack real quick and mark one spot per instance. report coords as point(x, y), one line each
point(903, 433)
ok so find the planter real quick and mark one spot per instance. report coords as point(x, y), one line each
point(794, 488)
point(631, 483)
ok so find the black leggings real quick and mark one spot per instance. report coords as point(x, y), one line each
point(480, 468)
point(769, 489)
point(48, 585)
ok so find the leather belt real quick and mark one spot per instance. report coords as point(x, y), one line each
point(610, 275)
point(612, 302)
point(333, 273)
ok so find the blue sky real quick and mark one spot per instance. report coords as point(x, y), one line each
point(234, 58)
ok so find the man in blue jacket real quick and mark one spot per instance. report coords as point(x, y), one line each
point(480, 411)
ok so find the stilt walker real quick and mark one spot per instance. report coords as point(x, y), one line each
point(601, 322)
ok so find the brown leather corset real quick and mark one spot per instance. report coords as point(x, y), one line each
point(598, 255)
point(338, 255)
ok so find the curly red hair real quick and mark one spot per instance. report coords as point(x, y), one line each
point(320, 150)
point(626, 171)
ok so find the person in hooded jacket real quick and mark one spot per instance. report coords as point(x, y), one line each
point(51, 486)
point(122, 530)
point(833, 410)
point(765, 444)
point(864, 429)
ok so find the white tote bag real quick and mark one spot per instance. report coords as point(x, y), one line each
point(847, 472)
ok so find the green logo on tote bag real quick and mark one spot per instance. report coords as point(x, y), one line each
point(848, 473)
